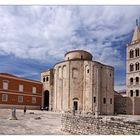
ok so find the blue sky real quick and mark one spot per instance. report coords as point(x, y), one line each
point(34, 38)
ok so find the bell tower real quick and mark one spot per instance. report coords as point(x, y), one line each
point(133, 64)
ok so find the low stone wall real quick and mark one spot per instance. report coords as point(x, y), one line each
point(6, 106)
point(86, 125)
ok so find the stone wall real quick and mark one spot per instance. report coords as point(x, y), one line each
point(136, 105)
point(126, 105)
point(87, 125)
point(120, 104)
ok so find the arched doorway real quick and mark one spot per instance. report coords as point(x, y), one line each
point(75, 104)
point(46, 100)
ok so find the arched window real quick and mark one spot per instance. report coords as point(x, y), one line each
point(110, 100)
point(87, 69)
point(137, 52)
point(94, 99)
point(47, 78)
point(104, 100)
point(131, 67)
point(137, 92)
point(131, 81)
point(43, 79)
point(131, 93)
point(131, 54)
point(137, 80)
point(137, 66)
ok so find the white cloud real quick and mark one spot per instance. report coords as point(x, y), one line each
point(44, 32)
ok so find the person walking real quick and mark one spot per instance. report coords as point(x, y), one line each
point(25, 109)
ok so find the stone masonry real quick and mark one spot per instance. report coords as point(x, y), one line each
point(87, 125)
point(79, 82)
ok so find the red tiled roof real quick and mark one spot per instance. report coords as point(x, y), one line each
point(7, 74)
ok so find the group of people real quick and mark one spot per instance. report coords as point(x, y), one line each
point(41, 108)
point(46, 108)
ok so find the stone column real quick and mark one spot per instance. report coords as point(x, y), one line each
point(13, 114)
point(98, 86)
point(96, 112)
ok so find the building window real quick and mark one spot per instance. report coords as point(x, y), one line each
point(5, 85)
point(131, 67)
point(87, 70)
point(20, 99)
point(131, 53)
point(81, 56)
point(137, 66)
point(47, 78)
point(43, 79)
point(137, 80)
point(94, 99)
point(131, 81)
point(33, 89)
point(137, 92)
point(4, 97)
point(33, 100)
point(137, 52)
point(21, 88)
point(104, 100)
point(131, 93)
point(110, 100)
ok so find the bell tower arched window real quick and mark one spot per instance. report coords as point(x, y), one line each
point(131, 81)
point(131, 93)
point(137, 92)
point(137, 66)
point(137, 52)
point(131, 67)
point(131, 53)
point(137, 80)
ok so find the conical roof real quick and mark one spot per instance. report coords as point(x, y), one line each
point(136, 34)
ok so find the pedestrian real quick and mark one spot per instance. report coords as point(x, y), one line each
point(41, 108)
point(25, 109)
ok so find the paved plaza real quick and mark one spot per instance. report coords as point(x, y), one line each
point(34, 122)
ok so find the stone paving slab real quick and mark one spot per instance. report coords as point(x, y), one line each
point(39, 123)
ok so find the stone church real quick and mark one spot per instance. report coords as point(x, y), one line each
point(79, 82)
